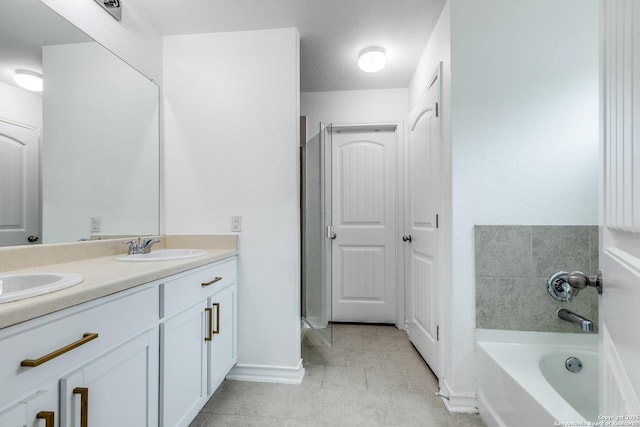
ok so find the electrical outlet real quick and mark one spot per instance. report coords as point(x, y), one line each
point(236, 223)
point(95, 224)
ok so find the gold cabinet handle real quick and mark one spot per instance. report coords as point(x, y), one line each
point(47, 416)
point(31, 363)
point(84, 405)
point(209, 312)
point(217, 306)
point(215, 279)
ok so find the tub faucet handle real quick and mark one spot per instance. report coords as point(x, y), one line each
point(579, 280)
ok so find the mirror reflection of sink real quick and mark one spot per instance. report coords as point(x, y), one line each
point(18, 286)
point(162, 255)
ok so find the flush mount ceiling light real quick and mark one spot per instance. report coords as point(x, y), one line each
point(372, 59)
point(29, 80)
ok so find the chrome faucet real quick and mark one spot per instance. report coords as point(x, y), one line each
point(585, 324)
point(140, 246)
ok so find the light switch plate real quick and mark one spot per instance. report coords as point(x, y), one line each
point(236, 223)
point(95, 224)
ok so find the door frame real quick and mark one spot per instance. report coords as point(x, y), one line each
point(399, 127)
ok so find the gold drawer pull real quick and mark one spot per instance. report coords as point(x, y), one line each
point(84, 405)
point(209, 311)
point(47, 416)
point(32, 363)
point(217, 306)
point(216, 279)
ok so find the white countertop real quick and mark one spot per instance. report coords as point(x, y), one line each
point(102, 276)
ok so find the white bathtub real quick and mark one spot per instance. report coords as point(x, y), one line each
point(522, 379)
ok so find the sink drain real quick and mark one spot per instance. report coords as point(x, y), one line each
point(573, 364)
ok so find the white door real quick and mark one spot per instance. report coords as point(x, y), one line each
point(620, 222)
point(364, 223)
point(422, 256)
point(19, 179)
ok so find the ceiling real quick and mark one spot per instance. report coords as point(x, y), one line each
point(332, 33)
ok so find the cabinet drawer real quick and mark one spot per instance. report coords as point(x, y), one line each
point(184, 291)
point(114, 320)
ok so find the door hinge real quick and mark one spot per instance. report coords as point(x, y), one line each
point(438, 333)
point(437, 110)
point(437, 221)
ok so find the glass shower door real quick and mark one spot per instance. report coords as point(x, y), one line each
point(316, 244)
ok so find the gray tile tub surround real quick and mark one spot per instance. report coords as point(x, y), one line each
point(513, 263)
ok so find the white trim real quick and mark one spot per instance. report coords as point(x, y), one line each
point(364, 127)
point(20, 124)
point(466, 404)
point(268, 374)
point(400, 226)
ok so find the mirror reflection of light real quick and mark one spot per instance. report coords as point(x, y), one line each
point(372, 59)
point(29, 80)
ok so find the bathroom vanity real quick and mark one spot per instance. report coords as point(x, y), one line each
point(139, 344)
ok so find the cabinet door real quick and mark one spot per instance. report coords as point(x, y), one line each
point(40, 409)
point(222, 350)
point(184, 385)
point(117, 389)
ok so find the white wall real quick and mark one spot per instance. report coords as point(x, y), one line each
point(132, 38)
point(438, 50)
point(100, 159)
point(231, 111)
point(353, 106)
point(524, 133)
point(20, 105)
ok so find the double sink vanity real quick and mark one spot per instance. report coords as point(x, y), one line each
point(113, 339)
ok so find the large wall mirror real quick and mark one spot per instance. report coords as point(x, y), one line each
point(79, 160)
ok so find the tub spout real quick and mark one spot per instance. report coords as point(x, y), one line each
point(584, 324)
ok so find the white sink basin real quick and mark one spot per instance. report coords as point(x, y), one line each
point(162, 255)
point(18, 286)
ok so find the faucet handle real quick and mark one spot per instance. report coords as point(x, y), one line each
point(579, 280)
point(133, 246)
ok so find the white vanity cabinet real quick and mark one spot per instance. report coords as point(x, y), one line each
point(96, 345)
point(144, 357)
point(198, 339)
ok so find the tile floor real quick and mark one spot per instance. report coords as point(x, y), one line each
point(371, 377)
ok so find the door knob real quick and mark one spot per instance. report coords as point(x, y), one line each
point(330, 233)
point(406, 238)
point(32, 239)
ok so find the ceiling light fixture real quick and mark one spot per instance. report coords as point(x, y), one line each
point(372, 59)
point(29, 80)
